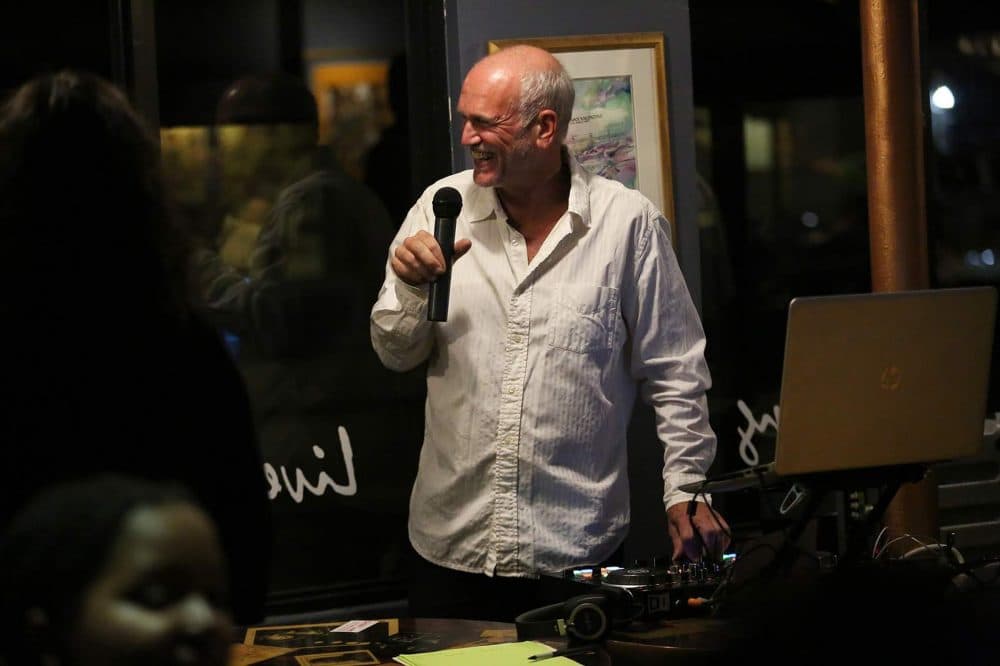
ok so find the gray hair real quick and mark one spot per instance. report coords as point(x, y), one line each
point(547, 89)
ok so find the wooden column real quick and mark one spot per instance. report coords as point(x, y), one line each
point(894, 134)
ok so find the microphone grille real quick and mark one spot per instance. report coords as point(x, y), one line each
point(447, 202)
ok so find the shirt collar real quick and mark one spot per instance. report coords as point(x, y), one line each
point(482, 203)
point(579, 189)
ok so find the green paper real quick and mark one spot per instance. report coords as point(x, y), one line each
point(498, 654)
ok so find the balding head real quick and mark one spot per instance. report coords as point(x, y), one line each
point(524, 57)
point(544, 83)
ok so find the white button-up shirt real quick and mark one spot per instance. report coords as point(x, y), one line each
point(532, 379)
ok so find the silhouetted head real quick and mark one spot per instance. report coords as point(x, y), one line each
point(113, 570)
point(82, 206)
point(271, 99)
point(267, 133)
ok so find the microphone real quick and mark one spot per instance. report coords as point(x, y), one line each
point(447, 205)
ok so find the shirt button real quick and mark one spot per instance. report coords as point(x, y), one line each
point(514, 242)
point(511, 390)
point(515, 339)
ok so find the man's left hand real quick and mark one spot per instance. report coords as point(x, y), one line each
point(685, 530)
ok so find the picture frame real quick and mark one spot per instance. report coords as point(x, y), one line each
point(352, 105)
point(303, 635)
point(612, 72)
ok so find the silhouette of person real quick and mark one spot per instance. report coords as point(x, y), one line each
point(319, 237)
point(113, 570)
point(106, 364)
point(388, 168)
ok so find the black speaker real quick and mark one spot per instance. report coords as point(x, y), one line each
point(586, 618)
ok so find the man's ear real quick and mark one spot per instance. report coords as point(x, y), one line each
point(36, 619)
point(548, 127)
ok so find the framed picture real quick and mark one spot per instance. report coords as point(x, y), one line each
point(352, 100)
point(620, 124)
point(304, 635)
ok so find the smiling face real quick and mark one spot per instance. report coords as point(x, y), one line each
point(160, 598)
point(501, 145)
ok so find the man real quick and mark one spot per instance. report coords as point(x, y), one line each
point(567, 299)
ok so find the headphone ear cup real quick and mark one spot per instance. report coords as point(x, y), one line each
point(588, 618)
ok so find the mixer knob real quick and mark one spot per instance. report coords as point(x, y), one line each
point(662, 562)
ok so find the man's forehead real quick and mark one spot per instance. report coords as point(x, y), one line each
point(492, 101)
point(491, 74)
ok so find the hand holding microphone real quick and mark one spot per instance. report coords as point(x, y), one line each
point(447, 205)
point(423, 258)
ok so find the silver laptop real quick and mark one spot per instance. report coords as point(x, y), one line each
point(877, 380)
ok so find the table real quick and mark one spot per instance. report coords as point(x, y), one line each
point(679, 641)
point(315, 645)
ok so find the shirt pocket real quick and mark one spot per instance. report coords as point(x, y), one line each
point(583, 317)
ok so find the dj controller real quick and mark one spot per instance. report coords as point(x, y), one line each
point(660, 589)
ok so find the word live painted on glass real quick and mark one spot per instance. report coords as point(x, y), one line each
point(298, 486)
point(748, 451)
point(749, 454)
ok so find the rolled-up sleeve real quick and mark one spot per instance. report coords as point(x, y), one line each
point(668, 359)
point(400, 333)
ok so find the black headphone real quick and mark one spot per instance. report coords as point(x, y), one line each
point(586, 618)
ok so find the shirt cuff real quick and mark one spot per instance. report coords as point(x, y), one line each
point(672, 495)
point(412, 299)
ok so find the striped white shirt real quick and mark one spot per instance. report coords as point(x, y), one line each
point(532, 380)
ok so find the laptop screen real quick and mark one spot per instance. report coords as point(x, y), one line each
point(888, 378)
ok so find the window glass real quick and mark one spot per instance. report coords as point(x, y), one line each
point(268, 119)
point(782, 204)
point(963, 154)
point(962, 69)
point(782, 184)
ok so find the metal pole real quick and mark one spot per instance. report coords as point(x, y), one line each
point(894, 134)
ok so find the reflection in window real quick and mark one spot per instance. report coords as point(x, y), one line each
point(267, 160)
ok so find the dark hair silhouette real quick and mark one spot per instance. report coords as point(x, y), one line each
point(82, 201)
point(58, 544)
point(106, 364)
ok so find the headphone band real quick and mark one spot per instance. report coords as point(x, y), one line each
point(541, 622)
point(586, 618)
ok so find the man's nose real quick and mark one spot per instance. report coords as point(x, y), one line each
point(469, 134)
point(197, 615)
